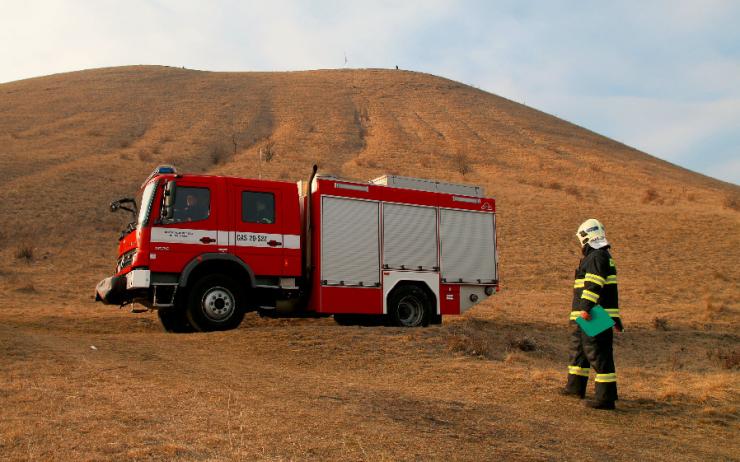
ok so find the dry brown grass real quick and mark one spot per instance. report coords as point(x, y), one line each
point(308, 389)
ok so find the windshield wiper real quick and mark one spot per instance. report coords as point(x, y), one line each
point(128, 230)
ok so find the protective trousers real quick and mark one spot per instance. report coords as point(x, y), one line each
point(596, 352)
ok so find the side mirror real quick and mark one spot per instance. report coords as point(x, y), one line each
point(169, 200)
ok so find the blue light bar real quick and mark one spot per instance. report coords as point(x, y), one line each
point(160, 170)
point(164, 169)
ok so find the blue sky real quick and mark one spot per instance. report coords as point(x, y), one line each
point(662, 76)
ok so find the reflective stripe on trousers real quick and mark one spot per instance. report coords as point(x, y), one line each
point(575, 370)
point(604, 378)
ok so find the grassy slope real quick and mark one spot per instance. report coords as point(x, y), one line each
point(70, 143)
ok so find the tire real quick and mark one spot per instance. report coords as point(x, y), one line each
point(345, 319)
point(175, 320)
point(409, 306)
point(215, 303)
point(365, 320)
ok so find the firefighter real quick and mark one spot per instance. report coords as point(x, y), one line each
point(193, 210)
point(595, 284)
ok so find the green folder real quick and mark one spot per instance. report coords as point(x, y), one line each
point(600, 321)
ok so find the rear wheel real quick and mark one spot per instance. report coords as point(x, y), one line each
point(214, 303)
point(174, 320)
point(409, 306)
point(345, 319)
point(365, 320)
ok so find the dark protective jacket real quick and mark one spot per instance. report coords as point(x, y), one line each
point(596, 284)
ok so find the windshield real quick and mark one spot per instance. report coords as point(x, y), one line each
point(147, 197)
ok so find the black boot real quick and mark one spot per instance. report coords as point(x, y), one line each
point(574, 394)
point(604, 405)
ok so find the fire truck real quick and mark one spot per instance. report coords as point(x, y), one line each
point(204, 250)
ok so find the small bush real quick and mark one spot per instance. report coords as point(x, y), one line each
point(362, 120)
point(677, 359)
point(660, 323)
point(727, 359)
point(555, 185)
point(711, 307)
point(124, 143)
point(144, 156)
point(651, 196)
point(462, 164)
point(28, 288)
point(267, 151)
point(469, 337)
point(371, 164)
point(24, 253)
point(521, 343)
point(573, 191)
point(218, 155)
point(732, 202)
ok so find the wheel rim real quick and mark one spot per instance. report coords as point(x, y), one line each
point(218, 303)
point(410, 311)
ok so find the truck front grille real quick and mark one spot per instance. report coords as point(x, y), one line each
point(125, 260)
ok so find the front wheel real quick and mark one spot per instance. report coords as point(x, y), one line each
point(409, 306)
point(174, 320)
point(214, 303)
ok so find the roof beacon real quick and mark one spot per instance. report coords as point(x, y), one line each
point(160, 170)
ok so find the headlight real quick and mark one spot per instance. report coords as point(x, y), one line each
point(125, 260)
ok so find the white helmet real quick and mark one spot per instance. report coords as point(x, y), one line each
point(592, 232)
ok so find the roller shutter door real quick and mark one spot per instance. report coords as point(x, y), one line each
point(349, 242)
point(409, 237)
point(468, 246)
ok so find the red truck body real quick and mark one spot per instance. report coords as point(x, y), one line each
point(206, 249)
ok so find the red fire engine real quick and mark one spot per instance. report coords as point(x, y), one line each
point(204, 250)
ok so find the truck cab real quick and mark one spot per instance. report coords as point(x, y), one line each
point(245, 231)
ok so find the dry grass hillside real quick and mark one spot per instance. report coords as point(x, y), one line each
point(481, 386)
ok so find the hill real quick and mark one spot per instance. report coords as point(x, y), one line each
point(70, 143)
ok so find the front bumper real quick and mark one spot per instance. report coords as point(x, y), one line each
point(112, 291)
point(117, 290)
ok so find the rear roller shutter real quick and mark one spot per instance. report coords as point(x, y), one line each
point(468, 247)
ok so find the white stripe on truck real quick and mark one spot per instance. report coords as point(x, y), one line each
point(238, 238)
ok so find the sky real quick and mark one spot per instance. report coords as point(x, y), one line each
point(661, 76)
